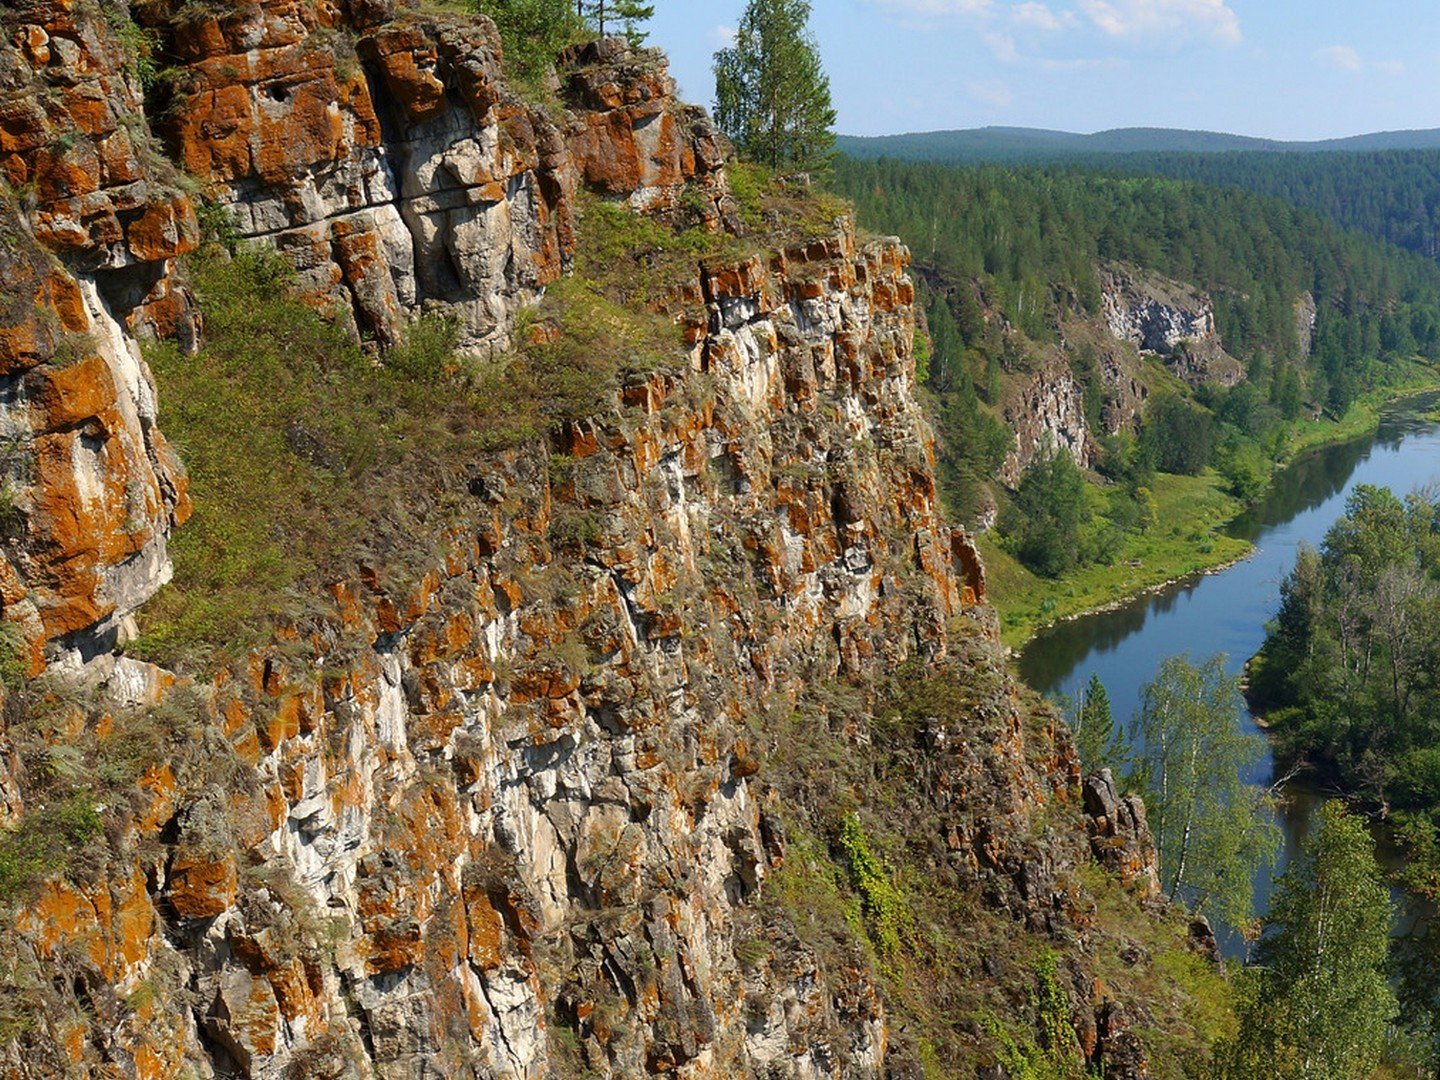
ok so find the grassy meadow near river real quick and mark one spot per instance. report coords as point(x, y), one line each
point(1189, 535)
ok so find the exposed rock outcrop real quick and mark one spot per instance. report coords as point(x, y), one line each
point(1120, 835)
point(1170, 320)
point(1049, 414)
point(388, 160)
point(526, 803)
point(1306, 318)
point(91, 489)
point(511, 820)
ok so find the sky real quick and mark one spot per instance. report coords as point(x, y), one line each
point(1285, 69)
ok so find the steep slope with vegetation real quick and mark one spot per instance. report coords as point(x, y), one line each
point(1147, 329)
point(567, 668)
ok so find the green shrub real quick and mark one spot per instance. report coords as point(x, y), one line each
point(532, 33)
point(881, 901)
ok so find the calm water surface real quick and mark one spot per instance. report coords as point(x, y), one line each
point(1226, 612)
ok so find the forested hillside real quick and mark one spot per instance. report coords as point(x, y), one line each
point(1031, 275)
point(1394, 196)
point(1386, 185)
point(978, 146)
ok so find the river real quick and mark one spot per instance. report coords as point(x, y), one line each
point(1225, 612)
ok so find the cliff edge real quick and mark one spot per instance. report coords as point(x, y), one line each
point(682, 745)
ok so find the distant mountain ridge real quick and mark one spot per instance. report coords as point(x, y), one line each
point(992, 144)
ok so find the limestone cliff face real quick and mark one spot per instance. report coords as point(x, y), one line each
point(1047, 415)
point(520, 794)
point(514, 821)
point(91, 489)
point(389, 161)
point(1170, 320)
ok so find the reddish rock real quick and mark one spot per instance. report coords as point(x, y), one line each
point(201, 886)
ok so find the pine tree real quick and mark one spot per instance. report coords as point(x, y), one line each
point(772, 97)
point(1317, 1005)
point(1099, 741)
point(608, 16)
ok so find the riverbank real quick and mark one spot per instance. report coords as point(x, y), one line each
point(1189, 537)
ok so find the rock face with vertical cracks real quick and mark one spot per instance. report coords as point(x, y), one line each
point(91, 221)
point(507, 821)
point(520, 796)
point(387, 159)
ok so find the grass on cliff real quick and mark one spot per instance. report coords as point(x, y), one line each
point(309, 458)
point(867, 882)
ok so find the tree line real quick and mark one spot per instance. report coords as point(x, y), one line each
point(1392, 195)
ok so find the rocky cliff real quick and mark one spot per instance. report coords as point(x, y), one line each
point(689, 748)
point(1170, 320)
point(1047, 414)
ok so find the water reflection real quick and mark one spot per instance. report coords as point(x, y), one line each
point(1226, 612)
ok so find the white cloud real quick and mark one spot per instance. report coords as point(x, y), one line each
point(1340, 57)
point(995, 94)
point(1041, 17)
point(723, 36)
point(1165, 18)
point(1004, 47)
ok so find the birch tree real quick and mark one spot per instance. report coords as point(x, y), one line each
point(1317, 1004)
point(1211, 829)
point(772, 97)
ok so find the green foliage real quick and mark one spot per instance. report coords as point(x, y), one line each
point(45, 842)
point(1317, 1005)
point(1099, 741)
point(1209, 826)
point(628, 17)
point(1052, 1052)
point(1396, 184)
point(1049, 510)
point(139, 44)
point(301, 451)
point(532, 33)
point(1032, 238)
point(881, 902)
point(922, 358)
point(1178, 436)
point(1348, 666)
point(772, 97)
point(1245, 468)
point(12, 658)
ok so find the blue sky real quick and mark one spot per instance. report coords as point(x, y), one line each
point(1279, 68)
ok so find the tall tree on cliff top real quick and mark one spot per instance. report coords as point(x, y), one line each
point(772, 97)
point(617, 16)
